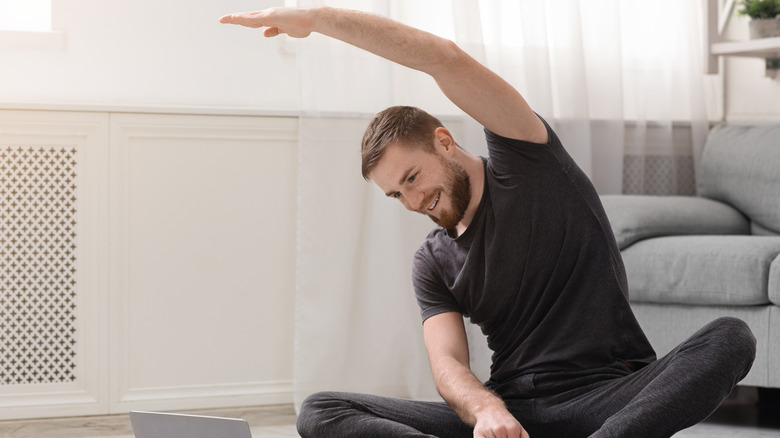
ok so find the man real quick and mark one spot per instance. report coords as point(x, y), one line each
point(524, 249)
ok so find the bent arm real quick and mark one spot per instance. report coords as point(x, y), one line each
point(445, 340)
point(476, 90)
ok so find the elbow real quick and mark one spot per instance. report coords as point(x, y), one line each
point(442, 387)
point(451, 51)
point(438, 377)
point(452, 55)
point(448, 56)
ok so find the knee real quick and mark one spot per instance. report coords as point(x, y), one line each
point(735, 342)
point(737, 333)
point(315, 412)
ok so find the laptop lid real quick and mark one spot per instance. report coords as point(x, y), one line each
point(168, 425)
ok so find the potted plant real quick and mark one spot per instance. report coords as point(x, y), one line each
point(764, 17)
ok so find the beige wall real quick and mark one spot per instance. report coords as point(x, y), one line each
point(749, 94)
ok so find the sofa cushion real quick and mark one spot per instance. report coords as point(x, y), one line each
point(739, 166)
point(637, 217)
point(704, 270)
point(774, 281)
point(758, 230)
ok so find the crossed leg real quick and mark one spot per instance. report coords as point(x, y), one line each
point(673, 393)
point(664, 397)
point(343, 414)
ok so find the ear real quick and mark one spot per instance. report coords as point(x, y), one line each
point(444, 139)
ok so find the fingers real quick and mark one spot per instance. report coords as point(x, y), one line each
point(271, 32)
point(501, 433)
point(248, 19)
point(490, 433)
point(295, 22)
point(229, 19)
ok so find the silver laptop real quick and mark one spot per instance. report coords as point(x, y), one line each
point(167, 425)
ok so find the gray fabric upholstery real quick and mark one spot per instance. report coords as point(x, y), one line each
point(774, 347)
point(740, 167)
point(774, 281)
point(678, 281)
point(758, 230)
point(668, 325)
point(638, 217)
point(703, 270)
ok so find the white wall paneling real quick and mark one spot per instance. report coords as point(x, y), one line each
point(146, 261)
point(52, 263)
point(203, 255)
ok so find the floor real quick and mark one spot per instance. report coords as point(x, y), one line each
point(265, 421)
point(738, 417)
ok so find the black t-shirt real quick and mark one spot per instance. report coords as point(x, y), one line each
point(538, 268)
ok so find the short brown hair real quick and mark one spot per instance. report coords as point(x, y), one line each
point(397, 123)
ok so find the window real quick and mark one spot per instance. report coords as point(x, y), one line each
point(25, 15)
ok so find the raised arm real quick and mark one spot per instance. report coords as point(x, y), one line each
point(476, 90)
point(445, 340)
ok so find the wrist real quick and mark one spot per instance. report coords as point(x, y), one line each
point(487, 406)
point(318, 16)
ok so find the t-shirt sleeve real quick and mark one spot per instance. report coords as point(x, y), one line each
point(510, 156)
point(433, 297)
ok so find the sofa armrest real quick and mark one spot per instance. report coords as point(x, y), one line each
point(637, 217)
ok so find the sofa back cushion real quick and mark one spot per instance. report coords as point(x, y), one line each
point(741, 167)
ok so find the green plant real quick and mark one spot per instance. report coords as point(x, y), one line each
point(760, 8)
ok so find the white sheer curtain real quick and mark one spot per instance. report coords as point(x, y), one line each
point(611, 76)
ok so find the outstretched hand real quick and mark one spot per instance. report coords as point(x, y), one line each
point(291, 21)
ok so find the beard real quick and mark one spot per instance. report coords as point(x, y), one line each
point(458, 187)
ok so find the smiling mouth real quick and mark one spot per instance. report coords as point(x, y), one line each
point(435, 201)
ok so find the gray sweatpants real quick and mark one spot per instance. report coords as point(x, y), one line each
point(660, 399)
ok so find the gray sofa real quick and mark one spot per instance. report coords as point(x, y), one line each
point(692, 259)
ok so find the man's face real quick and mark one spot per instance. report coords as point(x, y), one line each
point(430, 183)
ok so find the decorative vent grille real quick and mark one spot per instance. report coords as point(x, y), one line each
point(37, 265)
point(658, 175)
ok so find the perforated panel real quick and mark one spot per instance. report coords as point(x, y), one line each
point(658, 175)
point(37, 265)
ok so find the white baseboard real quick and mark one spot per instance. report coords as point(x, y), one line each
point(205, 396)
point(34, 401)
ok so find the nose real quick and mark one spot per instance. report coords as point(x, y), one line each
point(414, 200)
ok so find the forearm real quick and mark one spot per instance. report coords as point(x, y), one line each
point(397, 42)
point(465, 394)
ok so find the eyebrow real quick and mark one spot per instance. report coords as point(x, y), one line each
point(400, 182)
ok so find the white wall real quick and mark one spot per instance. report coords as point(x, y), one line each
point(147, 52)
point(189, 273)
point(175, 53)
point(749, 95)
